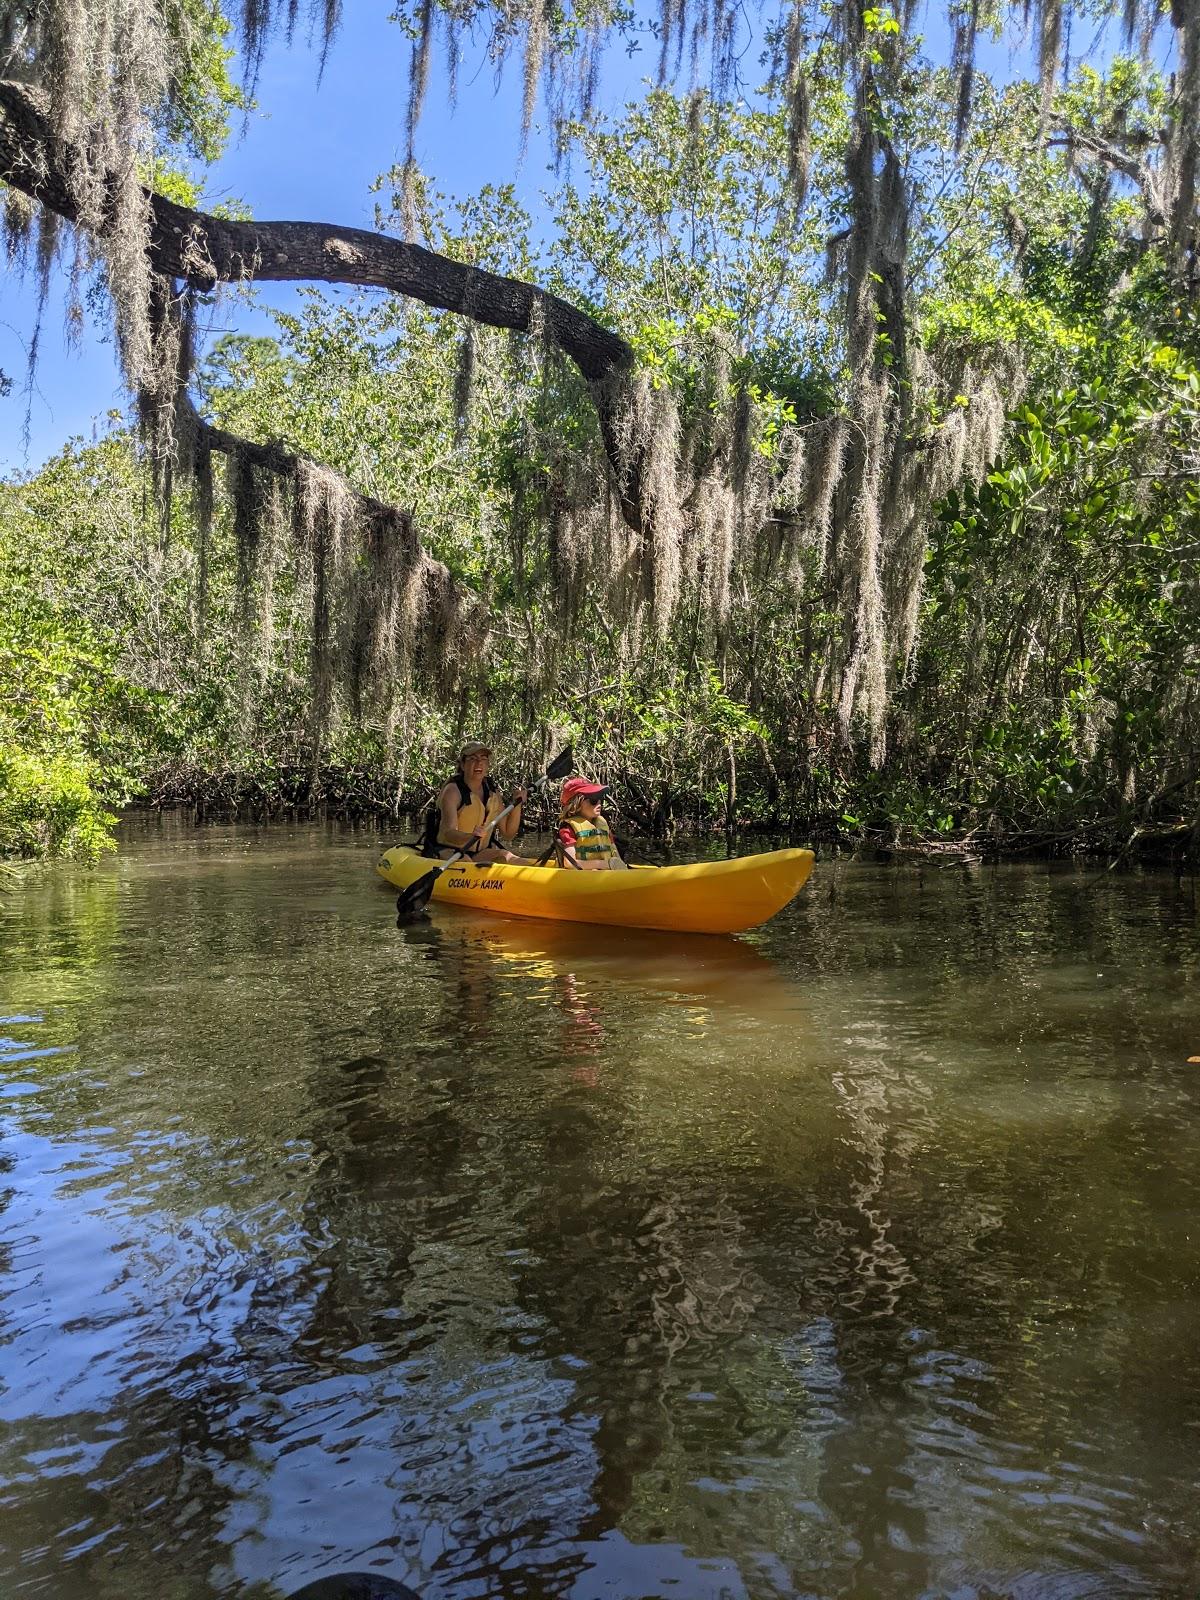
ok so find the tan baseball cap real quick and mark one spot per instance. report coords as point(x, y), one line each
point(474, 748)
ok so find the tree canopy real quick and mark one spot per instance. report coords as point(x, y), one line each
point(840, 425)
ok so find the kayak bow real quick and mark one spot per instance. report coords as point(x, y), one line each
point(703, 897)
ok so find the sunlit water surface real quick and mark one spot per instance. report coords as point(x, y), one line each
point(854, 1257)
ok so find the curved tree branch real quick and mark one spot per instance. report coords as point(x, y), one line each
point(283, 463)
point(204, 251)
point(387, 533)
point(1094, 147)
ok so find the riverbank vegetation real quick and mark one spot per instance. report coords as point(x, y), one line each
point(860, 499)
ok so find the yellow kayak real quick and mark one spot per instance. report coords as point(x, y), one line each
point(703, 897)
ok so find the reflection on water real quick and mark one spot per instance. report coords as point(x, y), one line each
point(854, 1257)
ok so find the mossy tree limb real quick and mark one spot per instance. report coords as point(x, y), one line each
point(204, 251)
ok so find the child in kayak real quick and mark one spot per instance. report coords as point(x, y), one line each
point(584, 837)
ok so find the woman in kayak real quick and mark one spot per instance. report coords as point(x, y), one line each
point(469, 805)
point(584, 837)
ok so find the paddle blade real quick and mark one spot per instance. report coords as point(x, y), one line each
point(413, 900)
point(562, 765)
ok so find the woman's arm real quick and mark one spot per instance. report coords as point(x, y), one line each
point(449, 832)
point(508, 828)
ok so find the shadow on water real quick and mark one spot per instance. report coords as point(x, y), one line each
point(855, 1258)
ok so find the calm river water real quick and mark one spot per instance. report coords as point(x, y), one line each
point(856, 1257)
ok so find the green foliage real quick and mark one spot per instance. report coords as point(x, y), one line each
point(196, 118)
point(73, 731)
point(1053, 683)
point(1066, 591)
point(192, 125)
point(51, 806)
point(681, 226)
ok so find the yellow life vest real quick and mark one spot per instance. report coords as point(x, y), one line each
point(472, 813)
point(593, 841)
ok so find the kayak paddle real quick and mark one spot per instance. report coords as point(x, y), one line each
point(413, 900)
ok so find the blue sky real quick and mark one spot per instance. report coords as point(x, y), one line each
point(310, 152)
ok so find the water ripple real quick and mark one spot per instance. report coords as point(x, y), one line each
point(861, 1258)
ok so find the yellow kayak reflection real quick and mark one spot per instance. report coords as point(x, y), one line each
point(681, 969)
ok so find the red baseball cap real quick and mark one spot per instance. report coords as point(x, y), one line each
point(582, 788)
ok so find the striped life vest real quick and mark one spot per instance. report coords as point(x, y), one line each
point(593, 841)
